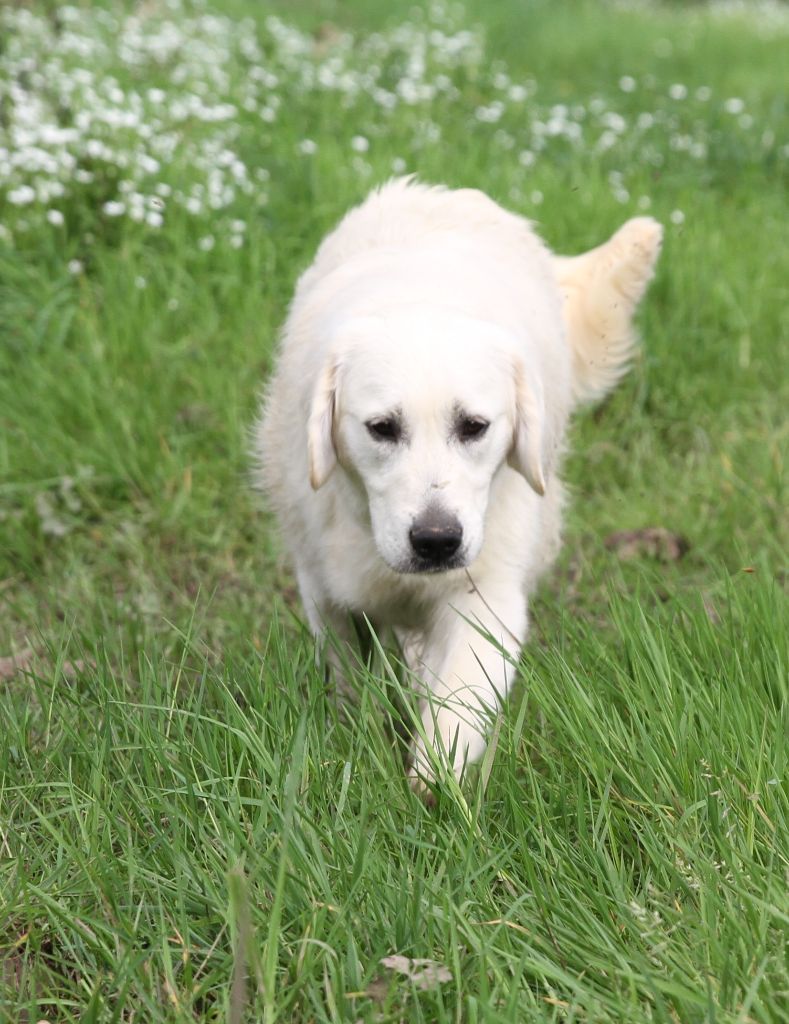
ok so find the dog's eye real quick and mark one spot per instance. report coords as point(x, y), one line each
point(384, 430)
point(470, 428)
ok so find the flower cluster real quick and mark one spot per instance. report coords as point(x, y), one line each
point(172, 110)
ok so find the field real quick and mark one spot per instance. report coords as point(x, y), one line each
point(188, 830)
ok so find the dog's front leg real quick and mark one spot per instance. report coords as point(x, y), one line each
point(468, 663)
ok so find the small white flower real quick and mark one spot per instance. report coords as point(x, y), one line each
point(56, 218)
point(627, 83)
point(678, 91)
point(236, 241)
point(644, 202)
point(154, 219)
point(22, 196)
point(238, 226)
point(139, 281)
point(677, 217)
point(517, 93)
point(734, 105)
point(114, 208)
point(362, 168)
point(173, 304)
point(703, 93)
point(307, 147)
point(536, 197)
point(398, 165)
point(75, 266)
point(359, 144)
point(206, 243)
point(491, 113)
point(526, 158)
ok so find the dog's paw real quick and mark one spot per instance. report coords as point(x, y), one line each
point(423, 789)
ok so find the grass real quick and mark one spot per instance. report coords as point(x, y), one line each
point(187, 829)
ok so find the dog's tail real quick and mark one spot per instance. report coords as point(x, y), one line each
point(601, 291)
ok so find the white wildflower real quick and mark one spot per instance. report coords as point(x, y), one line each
point(307, 147)
point(22, 196)
point(491, 113)
point(56, 218)
point(677, 217)
point(627, 83)
point(359, 144)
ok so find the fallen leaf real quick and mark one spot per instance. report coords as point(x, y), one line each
point(711, 610)
point(423, 974)
point(72, 669)
point(649, 542)
point(14, 663)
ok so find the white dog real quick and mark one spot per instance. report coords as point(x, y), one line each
point(411, 433)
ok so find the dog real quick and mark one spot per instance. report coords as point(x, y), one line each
point(411, 433)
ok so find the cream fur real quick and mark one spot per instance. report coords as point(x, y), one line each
point(429, 305)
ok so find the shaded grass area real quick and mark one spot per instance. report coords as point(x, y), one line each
point(187, 830)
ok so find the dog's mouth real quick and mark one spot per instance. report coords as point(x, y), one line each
point(416, 566)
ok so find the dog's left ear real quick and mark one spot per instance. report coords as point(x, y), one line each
point(321, 452)
point(532, 447)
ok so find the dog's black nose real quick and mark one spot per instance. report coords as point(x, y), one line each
point(436, 537)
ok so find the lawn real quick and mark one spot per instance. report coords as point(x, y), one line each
point(188, 830)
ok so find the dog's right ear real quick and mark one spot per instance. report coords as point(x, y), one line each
point(321, 451)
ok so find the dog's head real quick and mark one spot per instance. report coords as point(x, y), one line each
point(422, 409)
